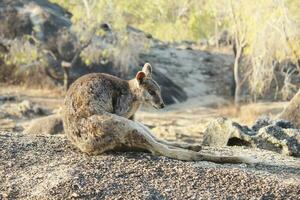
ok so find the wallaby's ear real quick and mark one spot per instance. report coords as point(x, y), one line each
point(140, 76)
point(147, 69)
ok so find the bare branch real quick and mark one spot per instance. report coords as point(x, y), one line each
point(88, 10)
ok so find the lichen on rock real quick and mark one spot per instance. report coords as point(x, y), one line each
point(275, 135)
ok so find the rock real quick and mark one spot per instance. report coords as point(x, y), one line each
point(35, 13)
point(49, 125)
point(266, 121)
point(20, 112)
point(13, 25)
point(7, 98)
point(278, 139)
point(274, 135)
point(48, 167)
point(198, 73)
point(222, 132)
point(261, 122)
point(27, 108)
point(292, 111)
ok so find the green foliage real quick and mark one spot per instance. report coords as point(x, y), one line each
point(167, 20)
point(184, 19)
point(22, 53)
point(24, 63)
point(270, 29)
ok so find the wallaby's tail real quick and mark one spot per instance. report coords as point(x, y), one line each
point(228, 159)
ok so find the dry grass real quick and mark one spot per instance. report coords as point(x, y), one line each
point(24, 90)
point(248, 113)
point(45, 97)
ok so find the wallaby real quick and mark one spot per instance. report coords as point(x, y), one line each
point(97, 112)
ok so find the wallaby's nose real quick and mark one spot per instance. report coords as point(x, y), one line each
point(162, 105)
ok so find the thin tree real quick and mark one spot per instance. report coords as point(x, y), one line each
point(239, 45)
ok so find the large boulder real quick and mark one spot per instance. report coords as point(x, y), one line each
point(39, 17)
point(292, 111)
point(274, 135)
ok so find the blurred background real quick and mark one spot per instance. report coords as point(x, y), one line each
point(233, 58)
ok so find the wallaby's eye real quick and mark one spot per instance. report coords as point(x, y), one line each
point(151, 92)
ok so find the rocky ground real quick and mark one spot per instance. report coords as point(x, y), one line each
point(49, 167)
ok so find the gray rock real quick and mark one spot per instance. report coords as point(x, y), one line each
point(292, 111)
point(276, 138)
point(21, 111)
point(27, 108)
point(49, 125)
point(221, 132)
point(266, 121)
point(7, 98)
point(274, 135)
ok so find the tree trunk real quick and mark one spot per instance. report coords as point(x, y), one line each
point(292, 111)
point(236, 73)
point(66, 78)
point(66, 67)
point(216, 33)
point(87, 7)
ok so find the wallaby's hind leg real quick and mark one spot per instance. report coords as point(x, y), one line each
point(144, 139)
point(138, 138)
point(108, 131)
point(129, 133)
point(193, 147)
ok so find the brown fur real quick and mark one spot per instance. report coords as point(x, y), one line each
point(97, 113)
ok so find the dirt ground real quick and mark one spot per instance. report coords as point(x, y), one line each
point(39, 167)
point(184, 121)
